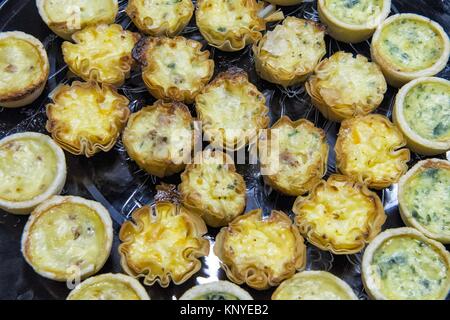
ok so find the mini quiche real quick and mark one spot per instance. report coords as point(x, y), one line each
point(101, 53)
point(260, 251)
point(408, 46)
point(344, 86)
point(314, 285)
point(32, 169)
point(353, 21)
point(402, 264)
point(289, 53)
point(339, 215)
point(24, 69)
point(422, 113)
point(369, 149)
point(174, 68)
point(160, 17)
point(65, 17)
point(211, 187)
point(109, 286)
point(293, 156)
point(218, 290)
point(160, 138)
point(67, 238)
point(424, 198)
point(163, 243)
point(232, 110)
point(86, 118)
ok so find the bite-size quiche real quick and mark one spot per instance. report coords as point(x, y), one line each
point(217, 290)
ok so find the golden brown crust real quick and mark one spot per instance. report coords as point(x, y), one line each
point(89, 140)
point(148, 223)
point(260, 274)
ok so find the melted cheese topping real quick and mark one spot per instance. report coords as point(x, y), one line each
point(355, 12)
point(65, 236)
point(176, 63)
point(294, 46)
point(215, 187)
point(82, 113)
point(79, 13)
point(427, 110)
point(427, 198)
point(105, 50)
point(410, 45)
point(340, 213)
point(368, 145)
point(163, 245)
point(408, 268)
point(217, 296)
point(27, 169)
point(21, 65)
point(106, 289)
point(296, 155)
point(264, 245)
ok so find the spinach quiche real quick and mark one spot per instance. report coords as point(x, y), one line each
point(217, 290)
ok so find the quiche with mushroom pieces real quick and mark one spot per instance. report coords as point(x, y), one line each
point(109, 286)
point(260, 251)
point(174, 68)
point(424, 198)
point(160, 17)
point(86, 118)
point(101, 53)
point(369, 149)
point(32, 169)
point(24, 69)
point(218, 290)
point(160, 137)
point(293, 156)
point(211, 187)
point(339, 215)
point(408, 46)
point(353, 21)
point(314, 285)
point(232, 110)
point(403, 264)
point(289, 53)
point(422, 113)
point(65, 17)
point(67, 238)
point(163, 243)
point(344, 86)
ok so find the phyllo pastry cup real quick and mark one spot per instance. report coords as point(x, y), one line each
point(421, 112)
point(67, 238)
point(260, 251)
point(403, 264)
point(160, 17)
point(65, 17)
point(409, 46)
point(163, 243)
point(339, 215)
point(85, 117)
point(24, 69)
point(174, 68)
point(217, 290)
point(344, 86)
point(232, 110)
point(314, 285)
point(101, 53)
point(160, 138)
point(288, 54)
point(32, 169)
point(109, 286)
point(370, 150)
point(353, 21)
point(424, 197)
point(211, 187)
point(293, 155)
